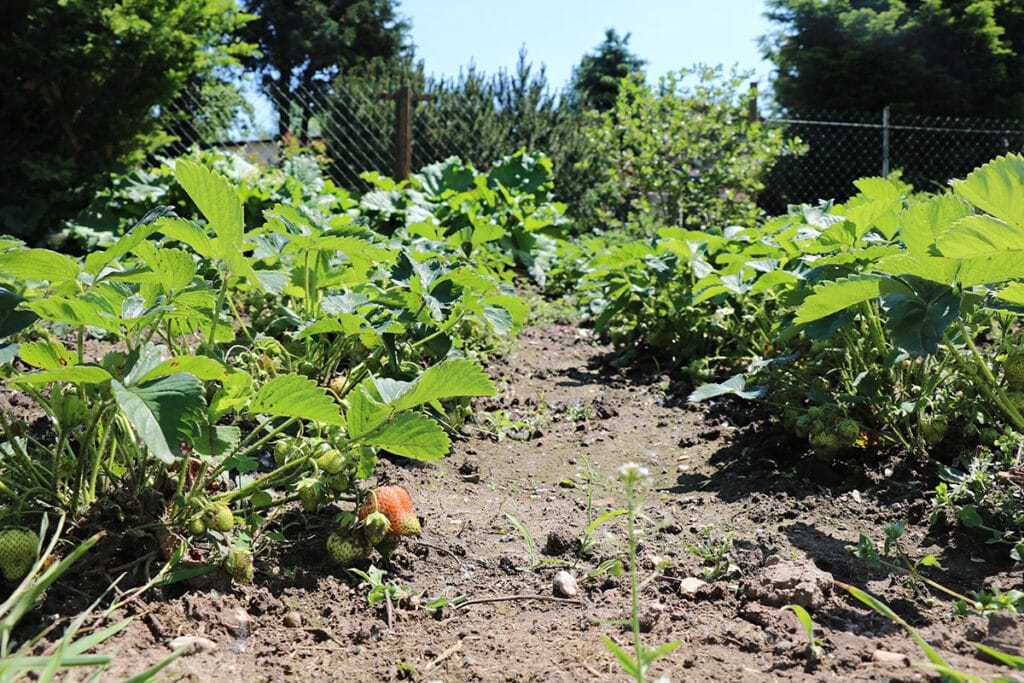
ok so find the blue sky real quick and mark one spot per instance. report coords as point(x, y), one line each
point(451, 34)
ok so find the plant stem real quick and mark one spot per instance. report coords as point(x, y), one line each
point(990, 385)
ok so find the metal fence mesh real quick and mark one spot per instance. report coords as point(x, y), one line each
point(356, 125)
point(927, 151)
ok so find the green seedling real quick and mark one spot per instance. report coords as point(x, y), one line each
point(815, 648)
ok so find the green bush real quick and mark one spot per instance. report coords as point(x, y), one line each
point(681, 154)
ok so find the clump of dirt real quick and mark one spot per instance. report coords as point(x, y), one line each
point(477, 600)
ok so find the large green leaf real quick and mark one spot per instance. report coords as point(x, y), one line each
point(77, 312)
point(364, 413)
point(96, 261)
point(172, 268)
point(163, 412)
point(216, 199)
point(997, 188)
point(296, 396)
point(976, 236)
point(188, 233)
point(447, 379)
point(75, 374)
point(1013, 293)
point(413, 435)
point(838, 295)
point(12, 319)
point(39, 264)
point(47, 355)
point(202, 367)
point(923, 222)
point(918, 318)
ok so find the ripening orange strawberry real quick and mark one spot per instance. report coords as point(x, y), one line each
point(395, 503)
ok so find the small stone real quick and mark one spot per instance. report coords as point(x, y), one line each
point(293, 620)
point(565, 585)
point(690, 585)
point(194, 643)
point(886, 657)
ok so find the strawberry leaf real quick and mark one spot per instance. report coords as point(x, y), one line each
point(296, 396)
point(413, 435)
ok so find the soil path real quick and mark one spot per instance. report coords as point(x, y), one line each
point(567, 416)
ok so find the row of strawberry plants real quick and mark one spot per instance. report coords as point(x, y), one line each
point(891, 318)
point(260, 362)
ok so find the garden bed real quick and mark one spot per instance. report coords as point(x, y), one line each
point(568, 418)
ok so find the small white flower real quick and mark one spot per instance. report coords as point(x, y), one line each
point(632, 470)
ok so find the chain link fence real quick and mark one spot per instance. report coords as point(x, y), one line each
point(357, 127)
point(926, 151)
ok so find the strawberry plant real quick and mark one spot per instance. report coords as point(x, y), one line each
point(365, 349)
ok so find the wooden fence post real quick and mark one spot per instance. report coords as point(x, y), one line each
point(753, 116)
point(403, 132)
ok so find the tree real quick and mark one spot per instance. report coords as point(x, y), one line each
point(311, 41)
point(947, 57)
point(595, 82)
point(81, 80)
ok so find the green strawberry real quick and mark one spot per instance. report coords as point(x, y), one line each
point(933, 429)
point(220, 518)
point(1013, 369)
point(376, 526)
point(331, 462)
point(17, 552)
point(848, 431)
point(238, 563)
point(346, 550)
point(197, 526)
point(309, 494)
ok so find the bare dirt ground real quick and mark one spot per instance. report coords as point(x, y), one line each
point(717, 471)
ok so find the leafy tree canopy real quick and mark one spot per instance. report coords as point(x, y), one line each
point(595, 82)
point(947, 57)
point(305, 41)
point(81, 80)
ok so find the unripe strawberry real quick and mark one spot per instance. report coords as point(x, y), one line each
point(17, 552)
point(309, 494)
point(933, 429)
point(376, 527)
point(197, 526)
point(331, 462)
point(396, 504)
point(1013, 369)
point(220, 518)
point(238, 563)
point(346, 550)
point(848, 431)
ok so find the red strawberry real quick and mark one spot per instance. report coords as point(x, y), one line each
point(395, 503)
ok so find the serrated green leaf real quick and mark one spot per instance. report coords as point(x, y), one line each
point(39, 264)
point(173, 268)
point(296, 396)
point(997, 188)
point(202, 367)
point(163, 412)
point(216, 440)
point(838, 295)
point(234, 394)
point(189, 233)
point(412, 435)
point(977, 236)
point(216, 199)
point(935, 268)
point(919, 316)
point(734, 386)
point(98, 260)
point(364, 413)
point(47, 355)
point(75, 374)
point(923, 222)
point(447, 379)
point(1013, 293)
point(75, 312)
point(990, 270)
